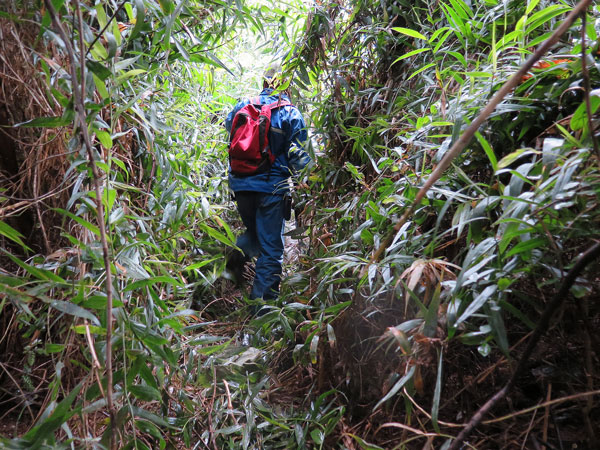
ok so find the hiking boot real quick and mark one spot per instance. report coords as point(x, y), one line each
point(236, 266)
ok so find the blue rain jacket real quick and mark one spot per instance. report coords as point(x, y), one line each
point(287, 138)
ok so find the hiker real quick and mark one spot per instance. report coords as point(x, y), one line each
point(261, 185)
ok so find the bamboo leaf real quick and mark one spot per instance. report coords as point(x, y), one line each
point(74, 310)
point(140, 15)
point(422, 69)
point(488, 151)
point(144, 393)
point(409, 32)
point(151, 281)
point(477, 303)
point(105, 139)
point(91, 227)
point(45, 122)
point(579, 119)
point(411, 53)
point(314, 345)
point(437, 393)
point(12, 234)
point(399, 385)
point(364, 444)
point(527, 246)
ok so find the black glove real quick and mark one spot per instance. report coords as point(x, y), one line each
point(287, 206)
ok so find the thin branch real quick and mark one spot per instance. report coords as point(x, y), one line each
point(81, 118)
point(103, 29)
point(582, 261)
point(23, 204)
point(25, 400)
point(470, 131)
point(211, 431)
point(38, 211)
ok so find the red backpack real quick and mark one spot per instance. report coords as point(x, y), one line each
point(249, 149)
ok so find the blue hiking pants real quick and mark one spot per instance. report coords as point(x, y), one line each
point(262, 215)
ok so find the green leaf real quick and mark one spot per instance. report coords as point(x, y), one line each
point(364, 444)
point(317, 436)
point(488, 150)
point(101, 87)
point(112, 44)
point(60, 415)
point(144, 393)
point(495, 320)
point(153, 280)
point(83, 329)
point(441, 41)
point(437, 394)
point(37, 272)
point(129, 74)
point(140, 15)
point(98, 69)
point(335, 309)
point(201, 264)
point(579, 119)
point(166, 6)
point(545, 15)
point(99, 302)
point(54, 348)
point(91, 227)
point(530, 7)
point(74, 310)
point(431, 316)
point(105, 139)
point(101, 16)
point(422, 69)
point(527, 246)
point(460, 58)
point(409, 32)
point(157, 420)
point(477, 303)
point(412, 53)
point(12, 234)
point(314, 346)
point(45, 122)
point(109, 196)
point(216, 235)
point(399, 385)
point(286, 327)
point(512, 157)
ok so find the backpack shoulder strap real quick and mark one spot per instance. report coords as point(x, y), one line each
point(279, 104)
point(253, 101)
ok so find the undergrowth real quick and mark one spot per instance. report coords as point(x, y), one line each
point(397, 352)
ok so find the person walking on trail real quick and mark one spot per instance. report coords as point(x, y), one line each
point(261, 183)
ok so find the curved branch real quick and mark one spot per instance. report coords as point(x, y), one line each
point(470, 131)
point(582, 261)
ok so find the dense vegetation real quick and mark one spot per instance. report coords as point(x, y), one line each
point(405, 305)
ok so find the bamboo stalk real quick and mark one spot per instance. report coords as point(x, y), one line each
point(81, 119)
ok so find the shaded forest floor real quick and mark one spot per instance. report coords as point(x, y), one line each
point(551, 405)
